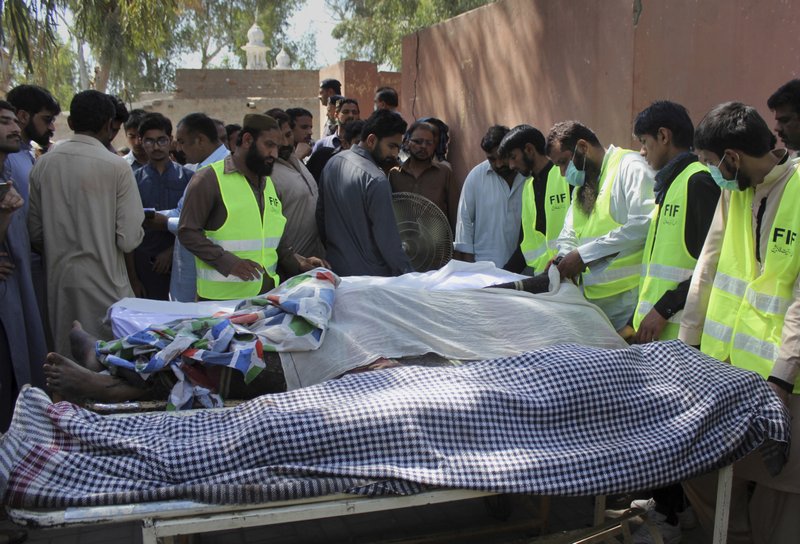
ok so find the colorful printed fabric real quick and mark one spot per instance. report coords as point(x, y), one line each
point(563, 420)
point(291, 317)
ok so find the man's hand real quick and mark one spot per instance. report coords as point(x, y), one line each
point(247, 270)
point(11, 201)
point(6, 266)
point(302, 150)
point(138, 288)
point(309, 263)
point(162, 263)
point(650, 328)
point(157, 222)
point(571, 265)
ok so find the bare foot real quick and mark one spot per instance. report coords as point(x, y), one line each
point(82, 347)
point(70, 381)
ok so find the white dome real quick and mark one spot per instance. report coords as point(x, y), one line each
point(255, 36)
point(282, 60)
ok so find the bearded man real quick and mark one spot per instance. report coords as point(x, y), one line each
point(232, 220)
point(606, 226)
point(354, 210)
point(297, 190)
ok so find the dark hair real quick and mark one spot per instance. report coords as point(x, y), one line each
point(334, 98)
point(787, 94)
point(388, 96)
point(352, 129)
point(331, 84)
point(444, 136)
point(219, 122)
point(343, 101)
point(200, 123)
point(134, 118)
point(421, 124)
point(567, 134)
point(120, 111)
point(7, 106)
point(669, 115)
point(155, 121)
point(233, 127)
point(294, 113)
point(383, 123)
point(279, 115)
point(493, 137)
point(518, 137)
point(33, 99)
point(734, 125)
point(90, 111)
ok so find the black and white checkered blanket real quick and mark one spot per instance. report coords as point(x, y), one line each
point(565, 420)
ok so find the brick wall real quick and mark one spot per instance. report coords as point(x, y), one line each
point(199, 84)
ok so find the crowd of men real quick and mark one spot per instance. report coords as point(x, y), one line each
point(693, 236)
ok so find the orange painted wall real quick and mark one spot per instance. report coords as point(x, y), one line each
point(598, 61)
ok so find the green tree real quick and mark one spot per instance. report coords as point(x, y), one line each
point(21, 22)
point(58, 73)
point(213, 26)
point(129, 46)
point(373, 29)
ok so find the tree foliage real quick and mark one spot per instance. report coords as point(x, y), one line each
point(213, 26)
point(59, 74)
point(134, 45)
point(374, 29)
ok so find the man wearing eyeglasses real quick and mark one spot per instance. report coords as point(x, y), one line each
point(161, 184)
point(422, 175)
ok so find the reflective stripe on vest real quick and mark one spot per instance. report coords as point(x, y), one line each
point(538, 248)
point(623, 273)
point(666, 261)
point(246, 233)
point(747, 307)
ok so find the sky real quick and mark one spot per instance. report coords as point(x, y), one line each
point(314, 16)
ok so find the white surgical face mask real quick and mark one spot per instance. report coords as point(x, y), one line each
point(576, 177)
point(719, 179)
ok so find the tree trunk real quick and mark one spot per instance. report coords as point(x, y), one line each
point(83, 71)
point(102, 72)
point(6, 61)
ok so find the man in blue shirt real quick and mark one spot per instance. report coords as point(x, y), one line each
point(36, 114)
point(197, 138)
point(161, 185)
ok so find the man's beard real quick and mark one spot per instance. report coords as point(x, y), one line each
point(421, 157)
point(743, 181)
point(383, 161)
point(285, 152)
point(586, 194)
point(257, 163)
point(43, 138)
point(528, 166)
point(503, 172)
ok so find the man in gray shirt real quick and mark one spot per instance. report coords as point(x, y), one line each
point(354, 210)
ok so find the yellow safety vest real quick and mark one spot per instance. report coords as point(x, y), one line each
point(247, 233)
point(666, 261)
point(746, 311)
point(622, 274)
point(537, 247)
